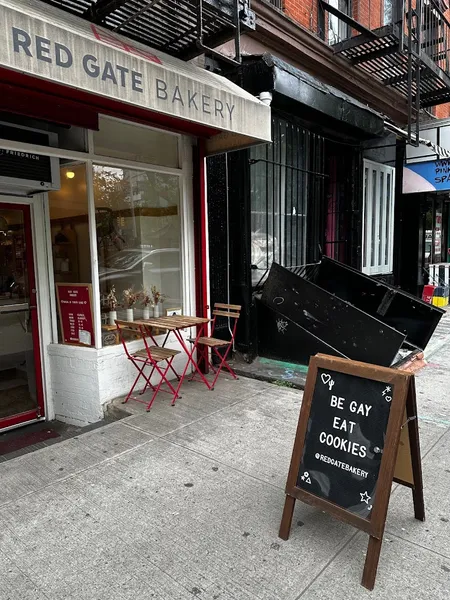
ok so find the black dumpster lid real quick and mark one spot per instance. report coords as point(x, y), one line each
point(398, 309)
point(351, 331)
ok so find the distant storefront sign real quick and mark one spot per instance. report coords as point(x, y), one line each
point(429, 176)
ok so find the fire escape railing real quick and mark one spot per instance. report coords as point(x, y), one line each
point(183, 28)
point(406, 46)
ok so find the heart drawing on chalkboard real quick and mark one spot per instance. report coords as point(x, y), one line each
point(325, 377)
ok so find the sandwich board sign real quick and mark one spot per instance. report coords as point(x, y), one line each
point(357, 433)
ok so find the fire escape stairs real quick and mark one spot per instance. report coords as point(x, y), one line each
point(410, 54)
point(182, 28)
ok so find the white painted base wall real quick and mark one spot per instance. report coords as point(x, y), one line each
point(84, 380)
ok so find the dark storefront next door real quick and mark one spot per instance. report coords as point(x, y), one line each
point(422, 239)
point(436, 229)
point(21, 396)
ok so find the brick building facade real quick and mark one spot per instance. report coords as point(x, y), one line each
point(372, 14)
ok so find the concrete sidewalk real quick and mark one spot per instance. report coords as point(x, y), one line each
point(186, 502)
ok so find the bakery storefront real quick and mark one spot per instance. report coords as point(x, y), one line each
point(102, 202)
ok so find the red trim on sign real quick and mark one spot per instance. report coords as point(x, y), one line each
point(203, 226)
point(104, 105)
point(102, 35)
point(40, 411)
point(40, 105)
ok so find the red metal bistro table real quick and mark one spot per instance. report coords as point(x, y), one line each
point(176, 324)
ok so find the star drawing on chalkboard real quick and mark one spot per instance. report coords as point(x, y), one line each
point(306, 477)
point(365, 497)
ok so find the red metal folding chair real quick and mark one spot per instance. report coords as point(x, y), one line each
point(149, 356)
point(232, 313)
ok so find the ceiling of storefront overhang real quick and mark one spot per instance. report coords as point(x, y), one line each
point(168, 25)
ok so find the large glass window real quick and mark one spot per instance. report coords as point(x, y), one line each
point(129, 141)
point(436, 249)
point(69, 222)
point(134, 215)
point(337, 29)
point(388, 13)
point(378, 223)
point(138, 228)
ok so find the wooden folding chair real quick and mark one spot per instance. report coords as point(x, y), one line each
point(231, 312)
point(149, 356)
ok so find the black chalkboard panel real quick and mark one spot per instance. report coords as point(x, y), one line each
point(398, 309)
point(282, 339)
point(357, 433)
point(347, 329)
point(345, 439)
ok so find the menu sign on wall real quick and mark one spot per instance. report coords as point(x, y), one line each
point(356, 434)
point(75, 313)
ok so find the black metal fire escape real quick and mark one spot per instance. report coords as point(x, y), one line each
point(183, 28)
point(409, 54)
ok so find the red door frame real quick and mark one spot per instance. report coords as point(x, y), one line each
point(200, 233)
point(39, 411)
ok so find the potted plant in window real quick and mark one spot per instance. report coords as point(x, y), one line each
point(158, 299)
point(130, 297)
point(111, 303)
point(147, 303)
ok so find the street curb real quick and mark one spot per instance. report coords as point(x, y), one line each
point(267, 378)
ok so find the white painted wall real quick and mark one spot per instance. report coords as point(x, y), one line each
point(85, 380)
point(74, 384)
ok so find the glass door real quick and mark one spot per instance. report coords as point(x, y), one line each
point(21, 396)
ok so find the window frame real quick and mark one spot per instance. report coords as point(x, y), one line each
point(342, 29)
point(185, 173)
point(377, 208)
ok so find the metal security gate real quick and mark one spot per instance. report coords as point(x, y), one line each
point(343, 195)
point(264, 204)
point(287, 183)
point(271, 204)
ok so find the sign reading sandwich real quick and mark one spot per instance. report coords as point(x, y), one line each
point(357, 432)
